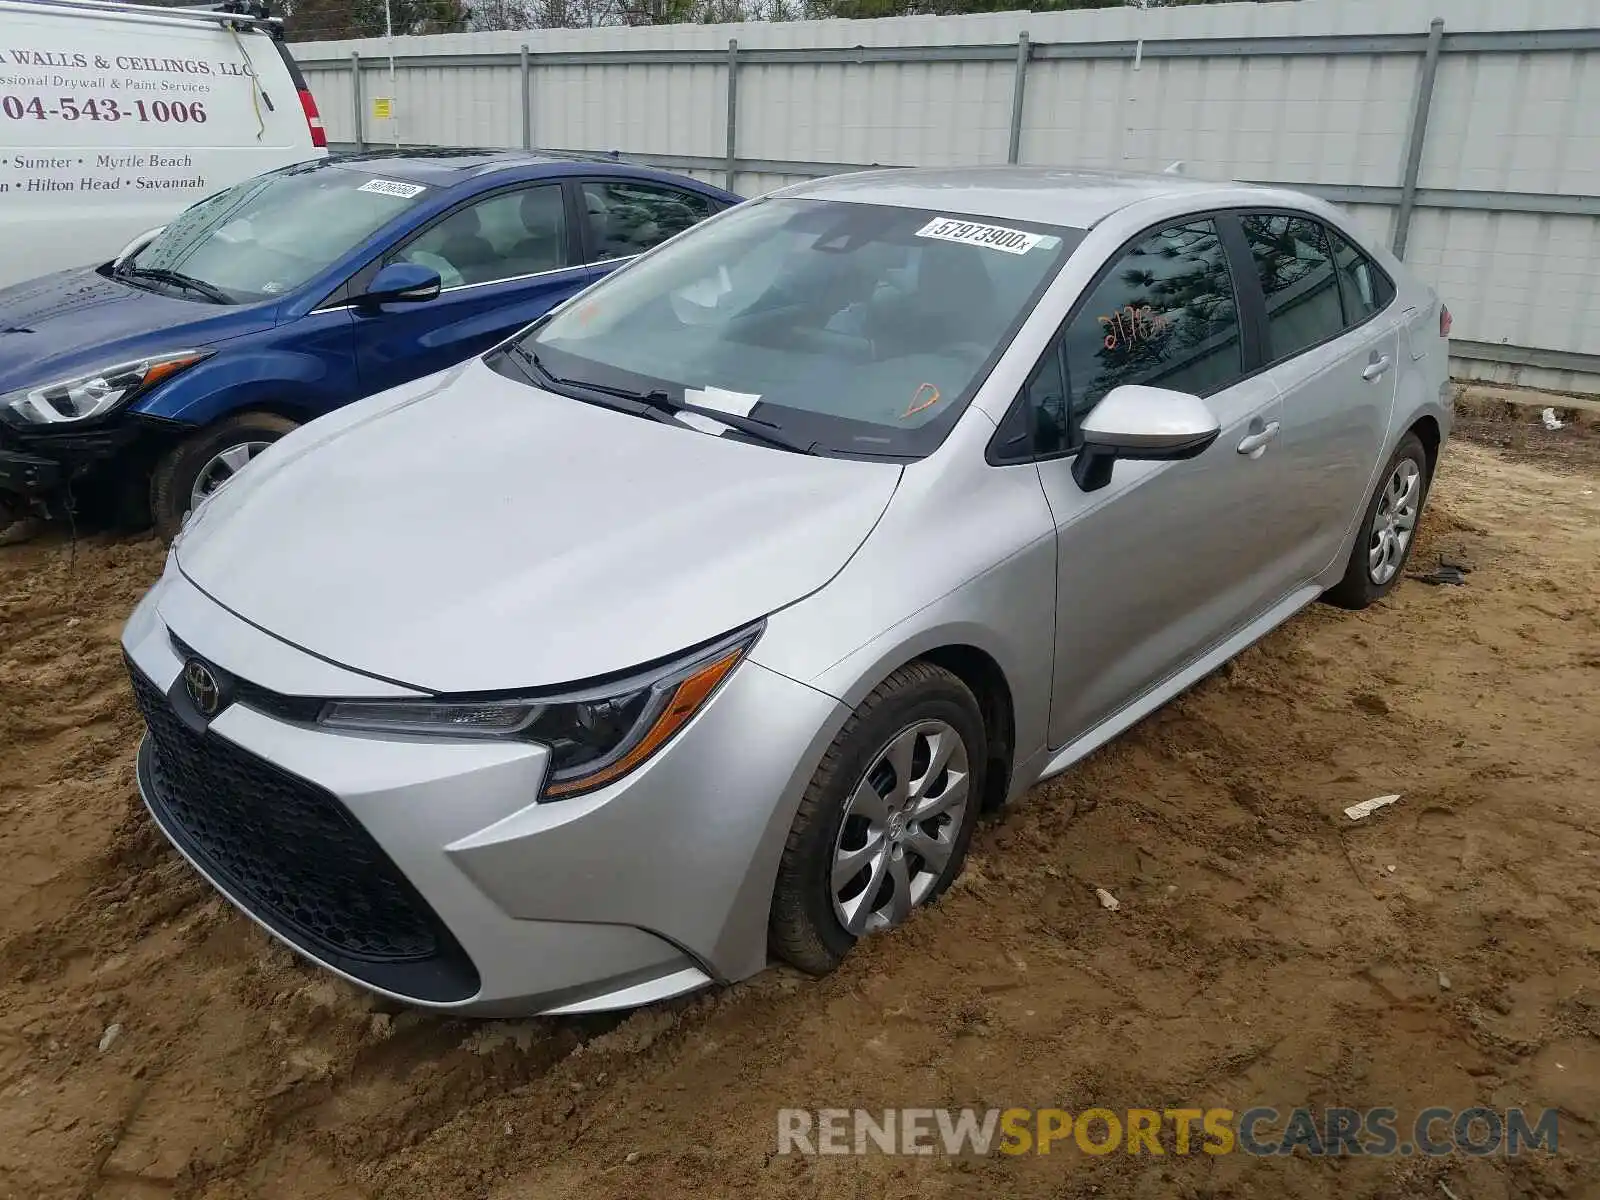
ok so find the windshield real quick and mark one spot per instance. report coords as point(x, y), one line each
point(268, 235)
point(861, 328)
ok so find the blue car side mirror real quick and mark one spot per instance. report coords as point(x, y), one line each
point(402, 283)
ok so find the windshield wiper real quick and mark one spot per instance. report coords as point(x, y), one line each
point(537, 372)
point(658, 401)
point(177, 279)
point(763, 431)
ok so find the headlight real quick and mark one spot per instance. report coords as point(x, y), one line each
point(96, 392)
point(595, 737)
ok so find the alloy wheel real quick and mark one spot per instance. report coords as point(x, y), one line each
point(899, 830)
point(1394, 522)
point(222, 467)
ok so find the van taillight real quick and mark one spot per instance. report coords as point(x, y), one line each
point(1444, 321)
point(319, 135)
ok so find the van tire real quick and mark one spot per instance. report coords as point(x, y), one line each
point(173, 480)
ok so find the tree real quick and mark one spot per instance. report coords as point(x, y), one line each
point(310, 20)
point(324, 20)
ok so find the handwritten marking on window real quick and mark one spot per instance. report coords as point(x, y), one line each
point(926, 396)
point(1129, 324)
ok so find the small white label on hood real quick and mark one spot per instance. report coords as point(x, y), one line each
point(390, 187)
point(991, 237)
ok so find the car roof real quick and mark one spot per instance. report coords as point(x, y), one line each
point(1047, 195)
point(446, 167)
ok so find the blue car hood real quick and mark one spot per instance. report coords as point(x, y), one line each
point(79, 320)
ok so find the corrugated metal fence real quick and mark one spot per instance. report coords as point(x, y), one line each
point(1466, 134)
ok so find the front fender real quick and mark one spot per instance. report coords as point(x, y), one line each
point(298, 383)
point(1006, 611)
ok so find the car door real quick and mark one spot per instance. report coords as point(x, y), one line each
point(1334, 346)
point(623, 217)
point(504, 259)
point(1171, 557)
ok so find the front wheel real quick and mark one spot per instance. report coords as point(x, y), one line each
point(201, 464)
point(1388, 529)
point(885, 824)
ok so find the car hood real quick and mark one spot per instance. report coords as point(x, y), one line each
point(472, 533)
point(79, 320)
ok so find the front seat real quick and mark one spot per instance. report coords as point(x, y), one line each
point(953, 302)
point(462, 244)
point(543, 246)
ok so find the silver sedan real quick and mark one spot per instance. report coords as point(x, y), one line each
point(699, 622)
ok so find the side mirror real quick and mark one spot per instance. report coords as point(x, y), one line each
point(1139, 422)
point(402, 283)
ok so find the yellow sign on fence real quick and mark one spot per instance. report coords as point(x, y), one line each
point(382, 108)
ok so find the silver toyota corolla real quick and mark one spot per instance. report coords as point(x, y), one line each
point(699, 622)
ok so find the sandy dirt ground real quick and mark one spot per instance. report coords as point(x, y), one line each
point(1267, 951)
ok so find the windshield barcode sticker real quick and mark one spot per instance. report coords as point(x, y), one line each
point(388, 187)
point(994, 237)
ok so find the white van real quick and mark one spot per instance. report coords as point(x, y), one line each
point(116, 117)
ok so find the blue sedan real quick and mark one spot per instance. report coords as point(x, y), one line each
point(143, 385)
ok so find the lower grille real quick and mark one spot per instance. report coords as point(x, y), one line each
point(289, 852)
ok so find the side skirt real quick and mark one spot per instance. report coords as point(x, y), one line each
point(1059, 760)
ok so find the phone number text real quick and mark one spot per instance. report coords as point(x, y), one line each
point(68, 108)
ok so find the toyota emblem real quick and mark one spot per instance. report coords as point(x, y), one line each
point(202, 687)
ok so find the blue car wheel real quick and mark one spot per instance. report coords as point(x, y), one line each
point(206, 461)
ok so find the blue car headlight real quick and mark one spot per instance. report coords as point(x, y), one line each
point(95, 393)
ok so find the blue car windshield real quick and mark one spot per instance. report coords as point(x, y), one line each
point(268, 235)
point(858, 328)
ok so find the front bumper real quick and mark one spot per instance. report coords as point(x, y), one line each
point(37, 463)
point(28, 474)
point(427, 870)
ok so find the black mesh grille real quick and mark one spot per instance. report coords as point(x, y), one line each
point(291, 853)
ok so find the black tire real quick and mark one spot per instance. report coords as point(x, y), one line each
point(1357, 589)
point(803, 928)
point(173, 479)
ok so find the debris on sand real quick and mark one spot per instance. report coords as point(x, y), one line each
point(1366, 808)
point(1107, 900)
point(1442, 575)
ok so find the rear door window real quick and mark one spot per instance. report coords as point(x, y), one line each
point(1297, 279)
point(627, 218)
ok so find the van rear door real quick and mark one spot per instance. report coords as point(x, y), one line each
point(112, 122)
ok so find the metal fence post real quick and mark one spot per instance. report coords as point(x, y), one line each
point(1019, 80)
point(356, 101)
point(1419, 135)
point(732, 167)
point(527, 101)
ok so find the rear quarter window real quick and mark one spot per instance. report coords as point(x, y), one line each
point(1366, 290)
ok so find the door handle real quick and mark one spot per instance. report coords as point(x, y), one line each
point(1254, 444)
point(1377, 367)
